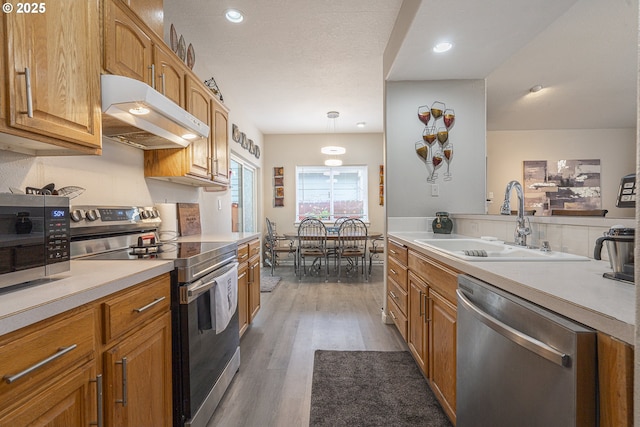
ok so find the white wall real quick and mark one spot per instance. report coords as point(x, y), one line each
point(506, 150)
point(290, 151)
point(408, 193)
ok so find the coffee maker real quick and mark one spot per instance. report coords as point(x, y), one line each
point(619, 240)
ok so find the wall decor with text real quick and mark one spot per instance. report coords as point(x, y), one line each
point(244, 142)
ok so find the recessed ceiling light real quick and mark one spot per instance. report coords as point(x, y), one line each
point(361, 124)
point(234, 15)
point(442, 47)
point(536, 88)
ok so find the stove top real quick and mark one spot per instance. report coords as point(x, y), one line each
point(131, 233)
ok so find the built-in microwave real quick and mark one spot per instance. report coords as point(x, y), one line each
point(34, 237)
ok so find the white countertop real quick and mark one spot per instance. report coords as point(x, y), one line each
point(220, 237)
point(86, 281)
point(575, 289)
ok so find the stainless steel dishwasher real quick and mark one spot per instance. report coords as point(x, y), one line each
point(519, 364)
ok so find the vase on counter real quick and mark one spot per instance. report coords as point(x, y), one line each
point(442, 224)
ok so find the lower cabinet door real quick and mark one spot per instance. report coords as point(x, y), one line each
point(243, 297)
point(70, 400)
point(442, 351)
point(138, 378)
point(254, 287)
point(418, 333)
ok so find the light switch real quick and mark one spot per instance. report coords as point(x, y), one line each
point(219, 204)
point(435, 190)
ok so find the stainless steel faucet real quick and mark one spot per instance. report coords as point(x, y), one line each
point(522, 230)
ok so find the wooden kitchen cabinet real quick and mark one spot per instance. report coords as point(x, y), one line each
point(248, 283)
point(433, 289)
point(615, 381)
point(254, 279)
point(128, 49)
point(151, 12)
point(169, 74)
point(418, 318)
point(137, 355)
point(397, 286)
point(243, 295)
point(50, 99)
point(442, 351)
point(205, 162)
point(220, 172)
point(62, 390)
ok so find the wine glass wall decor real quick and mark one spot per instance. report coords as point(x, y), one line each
point(438, 121)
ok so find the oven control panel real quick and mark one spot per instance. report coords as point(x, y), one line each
point(113, 218)
point(627, 192)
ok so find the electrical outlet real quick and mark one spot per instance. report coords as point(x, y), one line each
point(435, 190)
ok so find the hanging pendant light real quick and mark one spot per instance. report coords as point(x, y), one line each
point(333, 150)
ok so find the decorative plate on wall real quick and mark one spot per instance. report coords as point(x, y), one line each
point(191, 56)
point(182, 49)
point(173, 38)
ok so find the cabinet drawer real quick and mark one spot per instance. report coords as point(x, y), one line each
point(65, 342)
point(254, 248)
point(243, 253)
point(397, 251)
point(398, 295)
point(397, 273)
point(132, 308)
point(399, 319)
point(439, 277)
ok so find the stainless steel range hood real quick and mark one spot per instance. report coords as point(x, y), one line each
point(136, 114)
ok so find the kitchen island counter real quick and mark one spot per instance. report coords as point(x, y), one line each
point(574, 289)
point(86, 281)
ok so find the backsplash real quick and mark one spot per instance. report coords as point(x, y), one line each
point(575, 235)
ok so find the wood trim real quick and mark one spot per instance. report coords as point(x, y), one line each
point(615, 377)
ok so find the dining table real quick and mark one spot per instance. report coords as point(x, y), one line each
point(332, 236)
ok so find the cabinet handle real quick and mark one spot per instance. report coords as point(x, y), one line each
point(426, 301)
point(393, 316)
point(421, 299)
point(61, 352)
point(100, 411)
point(148, 306)
point(164, 85)
point(392, 251)
point(27, 83)
point(393, 295)
point(251, 274)
point(393, 271)
point(244, 256)
point(123, 362)
point(215, 161)
point(152, 67)
point(242, 275)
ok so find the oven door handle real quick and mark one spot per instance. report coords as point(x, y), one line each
point(194, 290)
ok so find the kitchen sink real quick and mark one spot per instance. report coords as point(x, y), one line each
point(487, 250)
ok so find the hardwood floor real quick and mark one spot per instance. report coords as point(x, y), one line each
point(273, 386)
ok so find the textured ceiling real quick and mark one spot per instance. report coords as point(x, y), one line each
point(291, 61)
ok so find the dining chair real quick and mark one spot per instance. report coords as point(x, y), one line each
point(375, 250)
point(273, 246)
point(312, 243)
point(352, 246)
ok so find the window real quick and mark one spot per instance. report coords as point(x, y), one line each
point(331, 192)
point(243, 196)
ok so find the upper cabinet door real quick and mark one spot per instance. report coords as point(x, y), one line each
point(151, 12)
point(169, 74)
point(127, 48)
point(221, 142)
point(198, 104)
point(53, 70)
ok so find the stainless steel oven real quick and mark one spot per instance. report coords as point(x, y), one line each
point(34, 237)
point(205, 329)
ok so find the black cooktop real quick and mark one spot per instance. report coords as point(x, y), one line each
point(168, 251)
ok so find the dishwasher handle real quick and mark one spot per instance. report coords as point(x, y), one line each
point(530, 343)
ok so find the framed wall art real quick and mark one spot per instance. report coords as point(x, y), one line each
point(278, 186)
